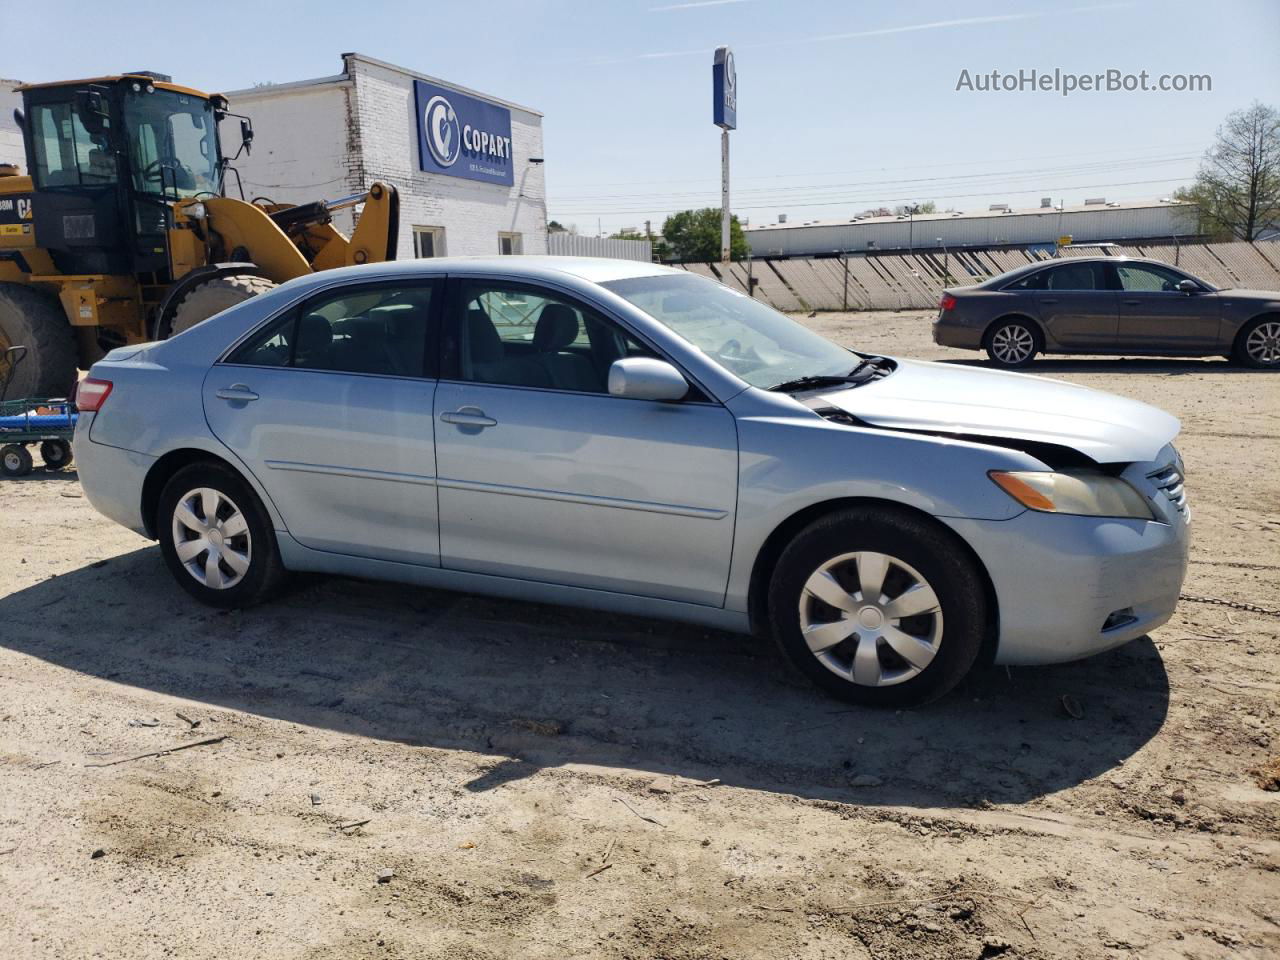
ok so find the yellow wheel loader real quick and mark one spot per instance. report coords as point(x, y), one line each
point(123, 231)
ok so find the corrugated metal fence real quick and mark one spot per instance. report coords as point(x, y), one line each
point(892, 282)
point(572, 245)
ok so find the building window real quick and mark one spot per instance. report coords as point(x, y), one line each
point(428, 241)
point(509, 244)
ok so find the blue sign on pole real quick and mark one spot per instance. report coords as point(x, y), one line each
point(460, 136)
point(724, 87)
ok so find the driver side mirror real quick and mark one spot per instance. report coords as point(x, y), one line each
point(246, 135)
point(93, 110)
point(1187, 286)
point(644, 378)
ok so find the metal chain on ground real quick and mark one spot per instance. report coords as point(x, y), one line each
point(1233, 604)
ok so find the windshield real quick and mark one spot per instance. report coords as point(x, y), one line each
point(752, 340)
point(172, 140)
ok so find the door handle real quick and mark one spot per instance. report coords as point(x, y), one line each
point(237, 391)
point(1132, 303)
point(1048, 300)
point(469, 417)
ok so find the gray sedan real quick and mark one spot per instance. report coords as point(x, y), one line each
point(640, 440)
point(1115, 305)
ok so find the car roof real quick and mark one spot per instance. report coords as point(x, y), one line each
point(1016, 272)
point(532, 268)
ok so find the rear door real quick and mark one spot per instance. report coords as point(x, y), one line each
point(1155, 315)
point(330, 406)
point(1076, 308)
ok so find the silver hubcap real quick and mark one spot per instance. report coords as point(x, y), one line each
point(871, 618)
point(1012, 344)
point(1263, 344)
point(211, 537)
point(12, 461)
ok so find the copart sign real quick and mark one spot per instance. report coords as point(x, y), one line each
point(461, 136)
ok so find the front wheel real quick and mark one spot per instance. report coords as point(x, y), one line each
point(1013, 343)
point(878, 607)
point(1258, 344)
point(216, 537)
point(15, 460)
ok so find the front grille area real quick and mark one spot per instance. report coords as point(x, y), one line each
point(1171, 482)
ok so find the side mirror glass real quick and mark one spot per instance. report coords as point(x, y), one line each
point(643, 378)
point(1188, 286)
point(246, 135)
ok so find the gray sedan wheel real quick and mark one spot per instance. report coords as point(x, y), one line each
point(1259, 344)
point(216, 536)
point(1013, 343)
point(878, 605)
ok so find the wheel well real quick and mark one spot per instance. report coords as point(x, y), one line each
point(1032, 322)
point(159, 475)
point(1269, 315)
point(785, 532)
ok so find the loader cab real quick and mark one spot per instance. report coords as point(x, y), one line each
point(108, 158)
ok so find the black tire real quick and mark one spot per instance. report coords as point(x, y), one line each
point(214, 296)
point(56, 454)
point(34, 319)
point(1000, 341)
point(939, 560)
point(265, 571)
point(1256, 345)
point(15, 460)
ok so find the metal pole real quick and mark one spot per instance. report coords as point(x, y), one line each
point(845, 299)
point(724, 196)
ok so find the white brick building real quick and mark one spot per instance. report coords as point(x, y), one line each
point(331, 137)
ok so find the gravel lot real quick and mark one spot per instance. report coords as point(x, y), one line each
point(548, 783)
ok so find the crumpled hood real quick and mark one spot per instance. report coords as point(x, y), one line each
point(946, 398)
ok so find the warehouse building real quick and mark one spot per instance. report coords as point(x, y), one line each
point(1094, 221)
point(468, 165)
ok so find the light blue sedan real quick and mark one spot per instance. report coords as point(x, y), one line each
point(641, 440)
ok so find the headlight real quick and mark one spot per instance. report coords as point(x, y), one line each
point(1084, 493)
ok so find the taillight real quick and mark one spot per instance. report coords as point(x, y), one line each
point(92, 394)
point(947, 302)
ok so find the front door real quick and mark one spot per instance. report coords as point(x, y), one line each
point(1155, 315)
point(330, 407)
point(543, 475)
point(1076, 308)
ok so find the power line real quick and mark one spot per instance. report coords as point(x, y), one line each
point(853, 201)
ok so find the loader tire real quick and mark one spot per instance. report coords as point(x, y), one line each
point(34, 319)
point(215, 296)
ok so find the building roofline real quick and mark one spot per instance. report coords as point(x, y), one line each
point(338, 79)
point(444, 83)
point(977, 215)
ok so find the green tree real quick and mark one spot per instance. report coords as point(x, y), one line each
point(694, 236)
point(555, 226)
point(1237, 189)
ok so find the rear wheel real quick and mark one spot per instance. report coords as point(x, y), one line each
point(56, 454)
point(34, 319)
point(1013, 343)
point(1258, 344)
point(15, 460)
point(216, 537)
point(214, 296)
point(878, 607)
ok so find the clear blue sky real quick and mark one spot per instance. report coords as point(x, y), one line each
point(842, 105)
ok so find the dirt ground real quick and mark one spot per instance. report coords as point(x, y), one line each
point(548, 783)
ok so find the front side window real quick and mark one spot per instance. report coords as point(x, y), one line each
point(374, 330)
point(66, 154)
point(528, 337)
point(743, 335)
point(1148, 279)
point(172, 142)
